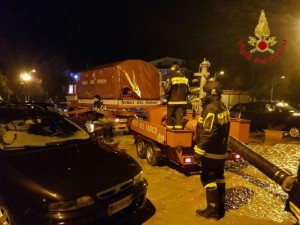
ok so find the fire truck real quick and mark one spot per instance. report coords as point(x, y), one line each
point(126, 88)
point(155, 143)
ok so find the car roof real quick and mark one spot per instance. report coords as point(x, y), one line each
point(35, 103)
point(23, 108)
point(280, 104)
point(261, 102)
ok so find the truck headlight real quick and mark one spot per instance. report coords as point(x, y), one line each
point(71, 205)
point(90, 127)
point(138, 178)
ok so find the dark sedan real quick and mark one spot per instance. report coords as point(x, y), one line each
point(269, 115)
point(52, 172)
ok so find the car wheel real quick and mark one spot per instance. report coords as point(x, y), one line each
point(5, 216)
point(140, 148)
point(294, 132)
point(9, 134)
point(151, 155)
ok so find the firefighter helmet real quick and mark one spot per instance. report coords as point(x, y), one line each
point(213, 88)
point(175, 68)
point(97, 97)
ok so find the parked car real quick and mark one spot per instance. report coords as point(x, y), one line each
point(53, 172)
point(269, 115)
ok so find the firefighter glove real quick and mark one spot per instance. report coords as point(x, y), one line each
point(197, 158)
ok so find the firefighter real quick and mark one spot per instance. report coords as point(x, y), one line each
point(176, 93)
point(211, 149)
point(101, 118)
point(98, 103)
point(293, 201)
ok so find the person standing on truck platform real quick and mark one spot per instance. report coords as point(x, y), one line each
point(176, 94)
point(211, 149)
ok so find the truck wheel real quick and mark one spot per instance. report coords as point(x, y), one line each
point(151, 154)
point(140, 148)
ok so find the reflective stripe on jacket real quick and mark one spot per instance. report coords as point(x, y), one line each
point(213, 131)
point(177, 90)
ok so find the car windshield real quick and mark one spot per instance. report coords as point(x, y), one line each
point(30, 128)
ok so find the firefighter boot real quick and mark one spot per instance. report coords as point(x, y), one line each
point(221, 191)
point(213, 206)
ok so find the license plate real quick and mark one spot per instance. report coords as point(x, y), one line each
point(119, 205)
point(123, 120)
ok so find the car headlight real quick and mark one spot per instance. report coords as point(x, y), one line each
point(71, 205)
point(138, 178)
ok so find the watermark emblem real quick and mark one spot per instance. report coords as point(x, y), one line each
point(262, 43)
point(262, 32)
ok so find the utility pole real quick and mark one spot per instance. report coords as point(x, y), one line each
point(203, 76)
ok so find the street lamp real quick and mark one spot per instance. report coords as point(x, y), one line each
point(272, 88)
point(218, 74)
point(26, 77)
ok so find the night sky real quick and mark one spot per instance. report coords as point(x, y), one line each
point(57, 37)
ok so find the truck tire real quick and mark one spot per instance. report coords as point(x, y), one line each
point(151, 154)
point(140, 148)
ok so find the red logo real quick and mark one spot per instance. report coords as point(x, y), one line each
point(262, 42)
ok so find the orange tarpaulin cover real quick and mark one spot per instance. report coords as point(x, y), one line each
point(139, 77)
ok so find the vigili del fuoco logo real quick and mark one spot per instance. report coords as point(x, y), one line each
point(263, 42)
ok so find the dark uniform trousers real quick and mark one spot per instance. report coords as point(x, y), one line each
point(175, 115)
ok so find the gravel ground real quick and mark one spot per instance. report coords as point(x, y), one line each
point(251, 197)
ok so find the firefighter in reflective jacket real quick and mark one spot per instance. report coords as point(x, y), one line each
point(176, 93)
point(211, 149)
point(293, 202)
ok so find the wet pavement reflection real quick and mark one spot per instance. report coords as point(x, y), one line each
point(286, 157)
point(251, 197)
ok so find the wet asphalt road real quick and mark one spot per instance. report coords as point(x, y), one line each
point(251, 197)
